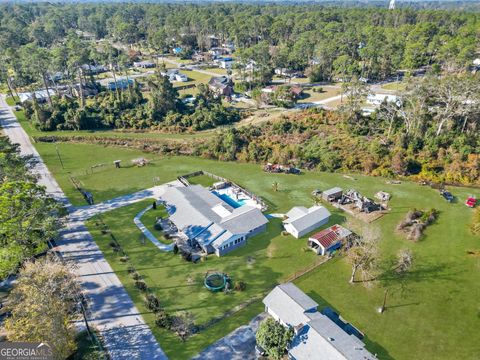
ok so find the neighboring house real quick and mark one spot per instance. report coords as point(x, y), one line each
point(289, 73)
point(174, 75)
point(144, 64)
point(332, 194)
point(40, 95)
point(329, 239)
point(295, 91)
point(201, 57)
point(300, 220)
point(121, 84)
point(218, 51)
point(378, 99)
point(169, 72)
point(221, 86)
point(88, 89)
point(180, 77)
point(229, 45)
point(213, 41)
point(226, 63)
point(209, 222)
point(318, 335)
point(93, 69)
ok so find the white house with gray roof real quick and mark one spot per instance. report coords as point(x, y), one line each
point(300, 220)
point(317, 336)
point(205, 219)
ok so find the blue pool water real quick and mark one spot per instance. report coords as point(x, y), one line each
point(230, 201)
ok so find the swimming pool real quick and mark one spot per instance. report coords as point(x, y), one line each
point(230, 201)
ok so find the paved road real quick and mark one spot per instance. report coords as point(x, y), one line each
point(110, 308)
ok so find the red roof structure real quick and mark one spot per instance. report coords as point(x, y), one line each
point(326, 237)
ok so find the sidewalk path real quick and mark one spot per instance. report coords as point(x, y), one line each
point(148, 233)
point(125, 334)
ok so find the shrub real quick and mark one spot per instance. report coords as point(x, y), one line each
point(113, 244)
point(130, 269)
point(124, 259)
point(175, 249)
point(240, 286)
point(163, 320)
point(158, 226)
point(152, 303)
point(136, 275)
point(141, 285)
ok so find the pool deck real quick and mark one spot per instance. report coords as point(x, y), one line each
point(236, 199)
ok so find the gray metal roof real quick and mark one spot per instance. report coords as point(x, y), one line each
point(290, 304)
point(196, 211)
point(322, 339)
point(333, 191)
point(296, 212)
point(314, 215)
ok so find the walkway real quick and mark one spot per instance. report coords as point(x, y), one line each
point(125, 334)
point(82, 213)
point(148, 233)
point(238, 345)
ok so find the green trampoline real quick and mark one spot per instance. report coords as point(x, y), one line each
point(215, 281)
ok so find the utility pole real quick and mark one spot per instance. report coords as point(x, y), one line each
point(59, 157)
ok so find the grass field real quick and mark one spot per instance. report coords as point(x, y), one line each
point(218, 71)
point(311, 96)
point(434, 316)
point(12, 100)
point(149, 219)
point(397, 86)
point(194, 77)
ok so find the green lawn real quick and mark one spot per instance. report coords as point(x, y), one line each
point(266, 260)
point(12, 100)
point(194, 77)
point(203, 180)
point(397, 86)
point(87, 348)
point(218, 71)
point(436, 316)
point(149, 219)
point(311, 96)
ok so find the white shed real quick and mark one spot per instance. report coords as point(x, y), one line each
point(300, 220)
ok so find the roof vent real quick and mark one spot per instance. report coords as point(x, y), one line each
point(331, 339)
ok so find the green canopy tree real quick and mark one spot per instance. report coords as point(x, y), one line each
point(44, 305)
point(274, 338)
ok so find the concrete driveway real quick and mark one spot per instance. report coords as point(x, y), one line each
point(238, 345)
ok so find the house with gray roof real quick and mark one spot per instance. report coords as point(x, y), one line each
point(318, 335)
point(300, 220)
point(205, 219)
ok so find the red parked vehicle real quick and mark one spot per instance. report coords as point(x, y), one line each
point(471, 202)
